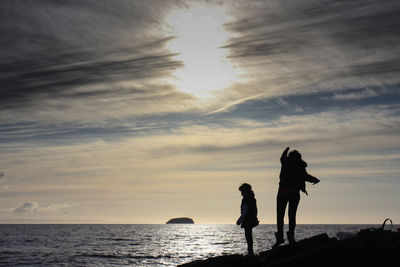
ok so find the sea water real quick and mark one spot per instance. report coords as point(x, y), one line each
point(135, 245)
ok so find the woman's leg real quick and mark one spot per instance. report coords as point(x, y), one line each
point(249, 238)
point(293, 204)
point(281, 202)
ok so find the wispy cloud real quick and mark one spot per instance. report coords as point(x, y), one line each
point(355, 95)
point(29, 81)
point(307, 46)
point(28, 207)
point(60, 60)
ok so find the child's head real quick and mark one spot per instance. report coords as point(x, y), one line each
point(245, 189)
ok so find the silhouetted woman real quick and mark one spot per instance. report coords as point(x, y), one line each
point(293, 179)
point(248, 218)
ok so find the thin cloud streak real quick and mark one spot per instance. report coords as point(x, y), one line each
point(2, 177)
point(299, 47)
point(29, 207)
point(56, 80)
point(61, 61)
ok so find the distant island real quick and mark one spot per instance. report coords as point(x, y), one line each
point(180, 220)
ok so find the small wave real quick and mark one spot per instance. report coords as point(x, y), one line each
point(107, 256)
point(123, 239)
point(115, 239)
point(153, 257)
point(221, 243)
point(119, 256)
point(11, 252)
point(149, 257)
point(30, 240)
point(183, 257)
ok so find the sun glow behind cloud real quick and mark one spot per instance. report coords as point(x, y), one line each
point(199, 37)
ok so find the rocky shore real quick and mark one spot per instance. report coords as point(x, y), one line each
point(370, 247)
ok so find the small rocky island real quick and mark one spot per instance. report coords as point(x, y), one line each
point(182, 220)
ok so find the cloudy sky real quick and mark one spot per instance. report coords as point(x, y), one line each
point(140, 111)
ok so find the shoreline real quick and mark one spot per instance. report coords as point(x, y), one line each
point(368, 247)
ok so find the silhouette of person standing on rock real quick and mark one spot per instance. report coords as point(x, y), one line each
point(293, 178)
point(248, 218)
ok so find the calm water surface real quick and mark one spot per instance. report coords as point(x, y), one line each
point(135, 245)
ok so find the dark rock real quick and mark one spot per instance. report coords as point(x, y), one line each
point(370, 247)
point(230, 260)
point(295, 251)
point(181, 220)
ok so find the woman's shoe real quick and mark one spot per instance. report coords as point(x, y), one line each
point(279, 239)
point(249, 255)
point(290, 236)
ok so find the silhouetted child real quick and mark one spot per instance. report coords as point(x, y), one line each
point(248, 218)
point(293, 178)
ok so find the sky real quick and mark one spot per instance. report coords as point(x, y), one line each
point(142, 111)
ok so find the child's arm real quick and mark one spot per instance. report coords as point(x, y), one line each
point(243, 214)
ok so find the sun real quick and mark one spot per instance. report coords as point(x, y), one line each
point(199, 37)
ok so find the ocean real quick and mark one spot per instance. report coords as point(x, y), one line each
point(135, 244)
